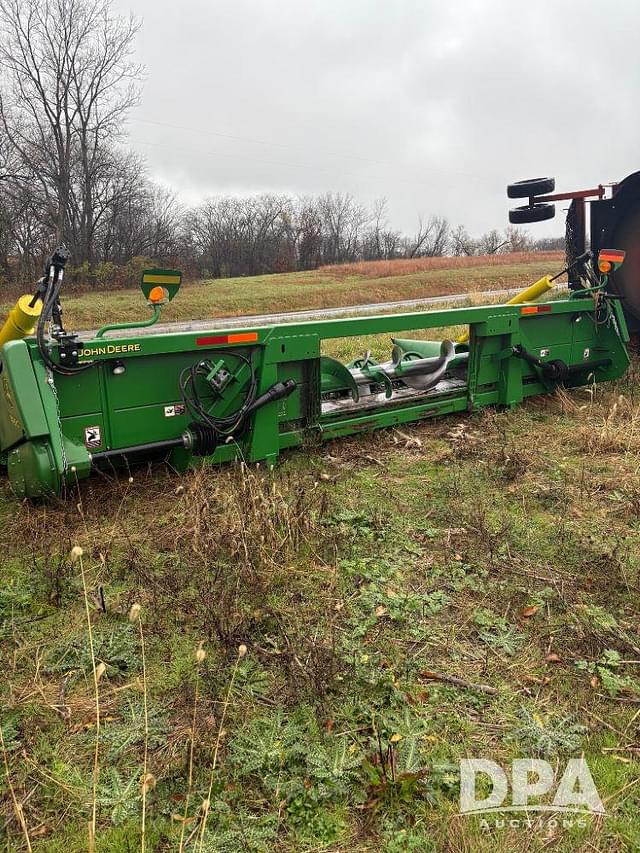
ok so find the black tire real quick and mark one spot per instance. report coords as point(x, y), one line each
point(531, 187)
point(537, 213)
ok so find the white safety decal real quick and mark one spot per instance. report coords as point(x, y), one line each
point(172, 411)
point(92, 436)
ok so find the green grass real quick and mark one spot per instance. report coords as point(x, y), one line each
point(500, 549)
point(297, 291)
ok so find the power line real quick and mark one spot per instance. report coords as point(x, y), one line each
point(289, 164)
point(249, 139)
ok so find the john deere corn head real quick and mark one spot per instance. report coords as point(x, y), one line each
point(73, 404)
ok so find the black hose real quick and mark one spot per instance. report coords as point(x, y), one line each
point(49, 302)
point(236, 422)
point(228, 424)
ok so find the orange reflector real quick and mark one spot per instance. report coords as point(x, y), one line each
point(535, 309)
point(158, 294)
point(237, 338)
point(243, 338)
point(604, 266)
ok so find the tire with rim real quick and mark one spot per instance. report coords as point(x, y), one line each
point(531, 213)
point(531, 187)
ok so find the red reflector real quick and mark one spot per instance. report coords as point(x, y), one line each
point(535, 309)
point(211, 340)
point(615, 257)
point(238, 338)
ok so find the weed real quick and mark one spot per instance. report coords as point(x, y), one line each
point(242, 651)
point(355, 524)
point(120, 796)
point(17, 807)
point(200, 656)
point(114, 645)
point(496, 632)
point(547, 737)
point(120, 738)
point(607, 671)
point(76, 556)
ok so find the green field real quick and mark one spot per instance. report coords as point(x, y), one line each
point(328, 286)
point(284, 681)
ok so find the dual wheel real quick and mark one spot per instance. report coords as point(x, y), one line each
point(532, 212)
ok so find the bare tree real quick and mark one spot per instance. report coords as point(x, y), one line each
point(119, 207)
point(67, 80)
point(70, 81)
point(391, 242)
point(414, 245)
point(517, 239)
point(379, 241)
point(308, 234)
point(5, 238)
point(344, 221)
point(165, 215)
point(438, 241)
point(104, 90)
point(462, 243)
point(491, 242)
point(431, 238)
point(372, 240)
point(549, 244)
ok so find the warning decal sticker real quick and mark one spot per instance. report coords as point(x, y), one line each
point(172, 411)
point(92, 436)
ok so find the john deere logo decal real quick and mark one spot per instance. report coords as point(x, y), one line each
point(109, 349)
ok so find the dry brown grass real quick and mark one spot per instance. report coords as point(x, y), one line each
point(410, 266)
point(613, 427)
point(344, 285)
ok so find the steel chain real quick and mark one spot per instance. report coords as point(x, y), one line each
point(54, 391)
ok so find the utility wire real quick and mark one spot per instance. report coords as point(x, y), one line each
point(238, 138)
point(307, 166)
point(249, 139)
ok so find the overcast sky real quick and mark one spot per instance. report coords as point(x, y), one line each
point(434, 105)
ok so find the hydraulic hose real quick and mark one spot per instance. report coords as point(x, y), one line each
point(201, 439)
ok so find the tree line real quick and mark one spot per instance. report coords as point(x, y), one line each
point(67, 83)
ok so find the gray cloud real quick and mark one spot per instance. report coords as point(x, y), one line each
point(434, 105)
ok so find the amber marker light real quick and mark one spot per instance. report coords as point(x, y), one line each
point(157, 295)
point(535, 309)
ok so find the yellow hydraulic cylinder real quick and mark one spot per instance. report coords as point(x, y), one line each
point(529, 294)
point(22, 320)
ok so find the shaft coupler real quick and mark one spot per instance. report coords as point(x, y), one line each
point(200, 439)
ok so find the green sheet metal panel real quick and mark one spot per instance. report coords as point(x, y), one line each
point(21, 413)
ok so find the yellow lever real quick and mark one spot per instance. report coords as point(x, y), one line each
point(529, 294)
point(21, 321)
